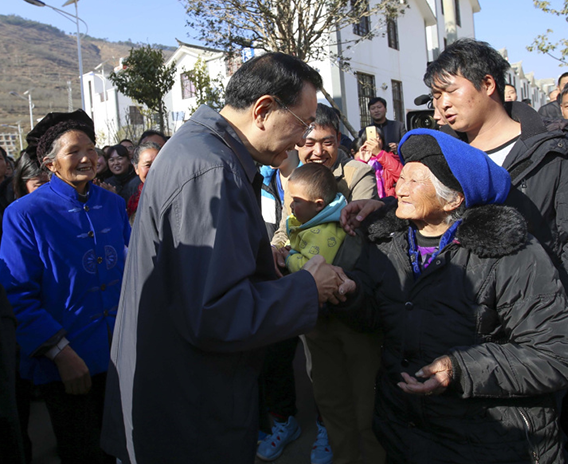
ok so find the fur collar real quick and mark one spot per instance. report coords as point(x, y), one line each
point(489, 231)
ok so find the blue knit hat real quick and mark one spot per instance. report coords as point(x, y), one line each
point(478, 177)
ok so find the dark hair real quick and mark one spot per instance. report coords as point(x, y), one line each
point(4, 154)
point(374, 100)
point(120, 150)
point(562, 76)
point(151, 132)
point(510, 85)
point(27, 167)
point(275, 74)
point(318, 179)
point(326, 117)
point(143, 147)
point(126, 140)
point(562, 93)
point(472, 59)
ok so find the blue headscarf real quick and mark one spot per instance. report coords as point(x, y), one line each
point(481, 180)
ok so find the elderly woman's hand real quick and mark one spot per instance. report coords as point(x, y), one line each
point(355, 212)
point(73, 371)
point(439, 375)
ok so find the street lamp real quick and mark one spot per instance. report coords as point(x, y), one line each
point(77, 19)
point(31, 105)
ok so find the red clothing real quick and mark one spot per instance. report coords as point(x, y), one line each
point(132, 204)
point(387, 168)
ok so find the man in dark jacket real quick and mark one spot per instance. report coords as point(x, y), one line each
point(470, 99)
point(552, 110)
point(392, 130)
point(200, 295)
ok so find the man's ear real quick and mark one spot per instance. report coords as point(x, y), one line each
point(489, 85)
point(261, 110)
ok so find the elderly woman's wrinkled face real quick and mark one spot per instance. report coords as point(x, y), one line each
point(145, 161)
point(76, 160)
point(118, 164)
point(417, 198)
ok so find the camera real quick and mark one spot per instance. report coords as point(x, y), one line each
point(422, 119)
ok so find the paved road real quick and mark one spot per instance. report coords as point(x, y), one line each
point(298, 452)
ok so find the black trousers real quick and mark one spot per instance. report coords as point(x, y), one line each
point(76, 421)
point(277, 379)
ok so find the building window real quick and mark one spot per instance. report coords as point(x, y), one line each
point(135, 116)
point(457, 11)
point(392, 33)
point(187, 87)
point(365, 90)
point(397, 100)
point(363, 27)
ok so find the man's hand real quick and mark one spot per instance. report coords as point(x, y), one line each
point(279, 255)
point(355, 212)
point(73, 371)
point(327, 279)
point(393, 147)
point(439, 375)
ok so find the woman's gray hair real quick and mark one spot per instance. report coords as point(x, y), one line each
point(143, 147)
point(446, 195)
point(52, 154)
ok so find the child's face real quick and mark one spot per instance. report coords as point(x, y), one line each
point(302, 206)
point(564, 106)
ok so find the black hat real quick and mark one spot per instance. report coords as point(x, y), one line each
point(426, 150)
point(41, 137)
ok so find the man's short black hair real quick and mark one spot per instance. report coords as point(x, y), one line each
point(374, 100)
point(563, 92)
point(277, 74)
point(562, 76)
point(510, 85)
point(151, 132)
point(326, 117)
point(4, 154)
point(126, 140)
point(318, 180)
point(471, 59)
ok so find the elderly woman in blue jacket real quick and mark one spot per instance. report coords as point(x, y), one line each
point(474, 315)
point(62, 259)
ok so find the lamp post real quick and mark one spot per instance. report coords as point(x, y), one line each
point(31, 105)
point(77, 19)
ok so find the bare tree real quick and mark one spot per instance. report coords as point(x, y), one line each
point(542, 43)
point(303, 28)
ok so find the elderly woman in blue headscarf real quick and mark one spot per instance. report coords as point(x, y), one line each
point(61, 261)
point(473, 314)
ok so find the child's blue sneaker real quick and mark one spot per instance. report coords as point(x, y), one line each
point(321, 451)
point(273, 445)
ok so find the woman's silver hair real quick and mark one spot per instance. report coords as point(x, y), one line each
point(446, 195)
point(143, 147)
point(52, 154)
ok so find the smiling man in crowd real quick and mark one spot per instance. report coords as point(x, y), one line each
point(200, 295)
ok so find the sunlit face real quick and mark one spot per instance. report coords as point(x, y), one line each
point(564, 106)
point(118, 164)
point(35, 182)
point(76, 160)
point(460, 104)
point(284, 131)
point(321, 146)
point(302, 206)
point(145, 161)
point(9, 169)
point(378, 112)
point(417, 199)
point(510, 93)
point(101, 164)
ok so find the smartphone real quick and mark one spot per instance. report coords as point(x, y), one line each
point(371, 132)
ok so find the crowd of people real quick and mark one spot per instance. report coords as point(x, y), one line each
point(154, 294)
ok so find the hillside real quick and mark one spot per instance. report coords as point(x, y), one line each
point(42, 57)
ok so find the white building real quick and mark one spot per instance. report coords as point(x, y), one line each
point(391, 66)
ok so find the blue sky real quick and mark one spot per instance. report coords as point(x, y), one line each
point(510, 24)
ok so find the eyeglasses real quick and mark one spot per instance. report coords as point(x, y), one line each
point(309, 127)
